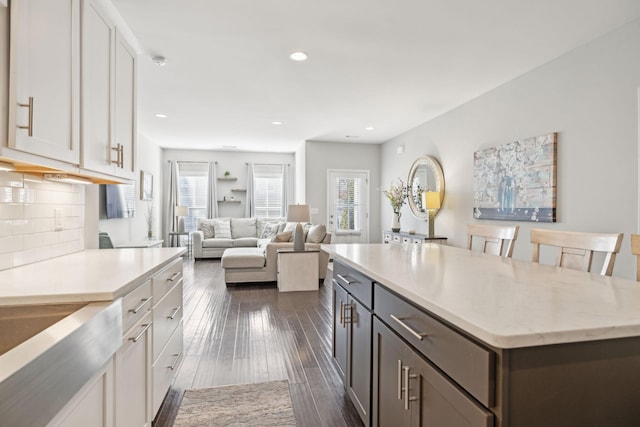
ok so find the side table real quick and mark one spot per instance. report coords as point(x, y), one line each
point(175, 236)
point(298, 270)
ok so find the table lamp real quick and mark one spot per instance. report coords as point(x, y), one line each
point(181, 212)
point(431, 202)
point(299, 214)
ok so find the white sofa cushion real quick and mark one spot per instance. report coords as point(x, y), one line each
point(245, 242)
point(269, 230)
point(222, 228)
point(243, 227)
point(218, 242)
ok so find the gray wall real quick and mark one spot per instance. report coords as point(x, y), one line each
point(590, 97)
point(321, 156)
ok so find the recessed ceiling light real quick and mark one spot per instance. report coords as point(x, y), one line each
point(160, 61)
point(352, 136)
point(369, 128)
point(230, 146)
point(298, 56)
point(276, 123)
point(161, 116)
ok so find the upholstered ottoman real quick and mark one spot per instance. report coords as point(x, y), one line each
point(243, 265)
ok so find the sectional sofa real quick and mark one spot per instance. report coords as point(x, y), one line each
point(214, 236)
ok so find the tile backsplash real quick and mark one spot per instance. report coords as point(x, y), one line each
point(27, 219)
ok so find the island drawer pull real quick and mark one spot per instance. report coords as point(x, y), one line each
point(175, 362)
point(348, 282)
point(173, 314)
point(172, 278)
point(399, 379)
point(418, 335)
point(408, 398)
point(143, 302)
point(142, 332)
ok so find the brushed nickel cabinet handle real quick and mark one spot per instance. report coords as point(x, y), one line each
point(142, 332)
point(408, 398)
point(175, 362)
point(174, 277)
point(139, 307)
point(342, 313)
point(173, 314)
point(29, 127)
point(349, 282)
point(399, 379)
point(418, 335)
point(119, 149)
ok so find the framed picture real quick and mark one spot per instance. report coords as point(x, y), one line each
point(516, 181)
point(146, 185)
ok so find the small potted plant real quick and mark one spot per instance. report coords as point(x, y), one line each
point(227, 174)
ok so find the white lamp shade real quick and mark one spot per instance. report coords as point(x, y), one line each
point(182, 211)
point(298, 213)
point(431, 199)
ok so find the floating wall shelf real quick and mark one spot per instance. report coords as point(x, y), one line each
point(228, 201)
point(239, 190)
point(227, 178)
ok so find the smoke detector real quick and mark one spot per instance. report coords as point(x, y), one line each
point(160, 61)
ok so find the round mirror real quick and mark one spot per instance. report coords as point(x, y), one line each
point(425, 176)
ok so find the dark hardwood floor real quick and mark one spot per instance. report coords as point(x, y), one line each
point(253, 333)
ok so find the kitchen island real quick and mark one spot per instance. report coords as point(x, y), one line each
point(483, 340)
point(91, 338)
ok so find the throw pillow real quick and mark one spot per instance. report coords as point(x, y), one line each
point(269, 230)
point(285, 236)
point(222, 228)
point(208, 229)
point(316, 233)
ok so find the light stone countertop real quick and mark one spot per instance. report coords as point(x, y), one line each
point(506, 303)
point(90, 275)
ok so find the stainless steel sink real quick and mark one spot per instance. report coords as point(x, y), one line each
point(48, 352)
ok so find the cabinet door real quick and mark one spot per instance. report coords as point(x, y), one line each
point(44, 67)
point(133, 377)
point(339, 348)
point(359, 357)
point(98, 36)
point(438, 402)
point(125, 106)
point(390, 358)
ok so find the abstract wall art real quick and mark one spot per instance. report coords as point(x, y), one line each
point(516, 181)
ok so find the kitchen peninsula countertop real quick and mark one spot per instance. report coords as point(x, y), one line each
point(90, 275)
point(506, 303)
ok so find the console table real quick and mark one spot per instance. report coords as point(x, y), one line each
point(406, 237)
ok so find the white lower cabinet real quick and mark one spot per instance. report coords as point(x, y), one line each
point(164, 369)
point(92, 406)
point(133, 376)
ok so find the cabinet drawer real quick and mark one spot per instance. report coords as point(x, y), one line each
point(397, 239)
point(356, 283)
point(469, 364)
point(166, 279)
point(388, 237)
point(164, 370)
point(135, 304)
point(166, 317)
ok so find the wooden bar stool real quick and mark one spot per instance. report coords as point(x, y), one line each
point(575, 249)
point(495, 237)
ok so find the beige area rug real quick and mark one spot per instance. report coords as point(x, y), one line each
point(261, 404)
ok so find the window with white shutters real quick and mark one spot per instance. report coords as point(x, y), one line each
point(192, 191)
point(267, 190)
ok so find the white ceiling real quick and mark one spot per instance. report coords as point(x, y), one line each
point(390, 64)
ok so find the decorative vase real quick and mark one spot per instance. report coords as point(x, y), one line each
point(395, 224)
point(149, 234)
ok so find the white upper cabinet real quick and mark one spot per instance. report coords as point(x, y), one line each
point(125, 105)
point(44, 84)
point(108, 95)
point(98, 36)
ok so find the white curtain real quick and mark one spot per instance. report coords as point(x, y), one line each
point(171, 200)
point(212, 190)
point(285, 189)
point(250, 209)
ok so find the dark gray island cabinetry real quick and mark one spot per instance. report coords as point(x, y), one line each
point(464, 339)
